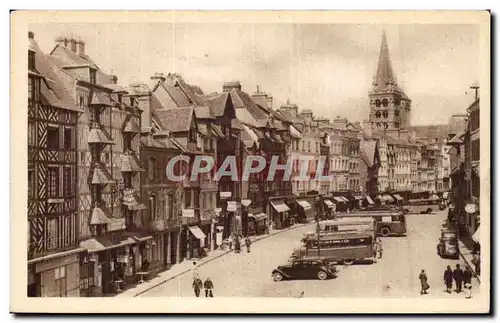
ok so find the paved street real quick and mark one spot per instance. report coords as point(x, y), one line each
point(395, 275)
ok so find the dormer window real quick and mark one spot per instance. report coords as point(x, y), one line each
point(93, 76)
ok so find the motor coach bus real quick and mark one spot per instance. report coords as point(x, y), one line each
point(352, 224)
point(423, 206)
point(344, 248)
point(386, 222)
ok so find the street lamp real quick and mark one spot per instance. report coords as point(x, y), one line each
point(317, 231)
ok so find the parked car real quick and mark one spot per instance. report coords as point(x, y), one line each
point(447, 246)
point(303, 269)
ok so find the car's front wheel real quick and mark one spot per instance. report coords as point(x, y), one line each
point(277, 277)
point(348, 262)
point(322, 275)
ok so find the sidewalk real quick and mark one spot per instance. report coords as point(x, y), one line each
point(185, 266)
point(467, 254)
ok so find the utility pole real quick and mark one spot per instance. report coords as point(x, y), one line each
point(475, 87)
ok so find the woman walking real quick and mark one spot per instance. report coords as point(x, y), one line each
point(423, 283)
point(448, 279)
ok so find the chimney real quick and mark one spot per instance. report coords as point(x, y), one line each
point(269, 101)
point(81, 47)
point(73, 45)
point(293, 109)
point(263, 99)
point(31, 35)
point(228, 86)
point(143, 96)
point(158, 77)
point(62, 41)
point(307, 114)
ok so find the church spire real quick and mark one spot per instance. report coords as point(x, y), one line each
point(384, 74)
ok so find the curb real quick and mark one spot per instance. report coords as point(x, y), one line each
point(468, 264)
point(212, 259)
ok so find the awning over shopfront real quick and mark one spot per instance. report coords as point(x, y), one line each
point(344, 198)
point(329, 204)
point(304, 204)
point(280, 206)
point(231, 206)
point(369, 199)
point(97, 244)
point(397, 197)
point(258, 216)
point(246, 202)
point(139, 236)
point(476, 236)
point(387, 198)
point(338, 199)
point(196, 231)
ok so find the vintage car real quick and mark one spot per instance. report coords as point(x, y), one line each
point(447, 246)
point(303, 269)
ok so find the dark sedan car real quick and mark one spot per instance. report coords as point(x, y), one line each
point(303, 269)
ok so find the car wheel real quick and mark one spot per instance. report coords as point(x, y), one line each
point(348, 262)
point(385, 232)
point(322, 275)
point(277, 277)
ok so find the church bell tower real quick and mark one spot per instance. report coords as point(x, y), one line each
point(390, 108)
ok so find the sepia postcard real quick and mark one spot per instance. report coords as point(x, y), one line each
point(250, 162)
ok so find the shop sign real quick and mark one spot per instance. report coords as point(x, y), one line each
point(122, 259)
point(188, 213)
point(470, 208)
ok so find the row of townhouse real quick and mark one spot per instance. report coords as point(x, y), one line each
point(464, 152)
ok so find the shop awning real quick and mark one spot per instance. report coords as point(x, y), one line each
point(329, 204)
point(387, 198)
point(101, 176)
point(225, 195)
point(258, 216)
point(131, 127)
point(246, 202)
point(476, 236)
point(130, 163)
point(338, 199)
point(280, 206)
point(369, 200)
point(344, 198)
point(196, 231)
point(97, 136)
point(231, 206)
point(100, 216)
point(397, 197)
point(97, 244)
point(139, 236)
point(304, 204)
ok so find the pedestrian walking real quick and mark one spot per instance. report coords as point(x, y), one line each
point(209, 286)
point(380, 248)
point(248, 243)
point(467, 275)
point(197, 285)
point(458, 276)
point(424, 286)
point(194, 270)
point(448, 279)
point(476, 261)
point(237, 245)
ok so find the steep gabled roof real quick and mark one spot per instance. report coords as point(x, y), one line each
point(203, 113)
point(244, 100)
point(216, 102)
point(176, 120)
point(54, 88)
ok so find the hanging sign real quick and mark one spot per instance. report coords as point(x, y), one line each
point(470, 208)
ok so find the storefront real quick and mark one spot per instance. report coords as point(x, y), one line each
point(368, 201)
point(257, 223)
point(329, 207)
point(279, 213)
point(398, 199)
point(196, 241)
point(54, 275)
point(340, 203)
point(306, 211)
point(111, 262)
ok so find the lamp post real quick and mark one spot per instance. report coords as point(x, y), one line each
point(317, 231)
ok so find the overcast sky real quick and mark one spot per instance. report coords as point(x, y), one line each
point(326, 68)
